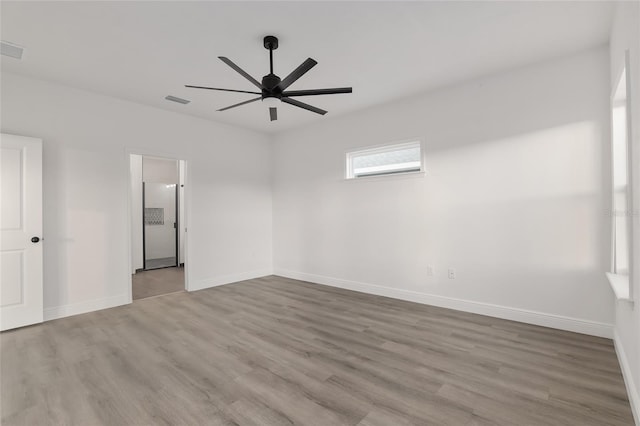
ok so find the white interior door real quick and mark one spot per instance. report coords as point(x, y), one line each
point(21, 231)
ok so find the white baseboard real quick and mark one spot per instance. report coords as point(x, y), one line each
point(124, 299)
point(632, 388)
point(84, 307)
point(521, 315)
point(228, 279)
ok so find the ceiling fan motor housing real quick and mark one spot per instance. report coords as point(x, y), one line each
point(270, 86)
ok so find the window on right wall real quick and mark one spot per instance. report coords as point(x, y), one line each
point(621, 188)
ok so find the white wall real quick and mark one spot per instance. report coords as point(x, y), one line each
point(514, 198)
point(86, 164)
point(136, 213)
point(159, 170)
point(625, 35)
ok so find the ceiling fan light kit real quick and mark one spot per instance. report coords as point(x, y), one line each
point(271, 102)
point(273, 90)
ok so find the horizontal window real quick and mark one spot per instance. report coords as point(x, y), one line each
point(385, 160)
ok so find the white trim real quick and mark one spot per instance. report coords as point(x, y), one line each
point(392, 176)
point(625, 72)
point(620, 286)
point(84, 307)
point(632, 388)
point(229, 279)
point(124, 299)
point(514, 314)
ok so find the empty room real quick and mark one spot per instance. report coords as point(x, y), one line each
point(320, 213)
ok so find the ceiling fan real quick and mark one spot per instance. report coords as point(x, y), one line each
point(273, 90)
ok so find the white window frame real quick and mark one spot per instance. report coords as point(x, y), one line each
point(621, 283)
point(381, 148)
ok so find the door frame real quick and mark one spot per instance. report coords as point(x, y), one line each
point(186, 200)
point(177, 223)
point(144, 228)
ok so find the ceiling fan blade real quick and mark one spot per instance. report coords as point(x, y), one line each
point(313, 92)
point(297, 73)
point(304, 106)
point(224, 90)
point(241, 103)
point(240, 71)
point(273, 113)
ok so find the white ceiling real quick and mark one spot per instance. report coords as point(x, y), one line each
point(143, 51)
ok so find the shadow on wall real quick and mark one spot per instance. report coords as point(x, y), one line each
point(536, 195)
point(523, 216)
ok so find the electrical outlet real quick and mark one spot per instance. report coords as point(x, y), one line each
point(452, 274)
point(429, 270)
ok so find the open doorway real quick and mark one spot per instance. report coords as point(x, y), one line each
point(157, 226)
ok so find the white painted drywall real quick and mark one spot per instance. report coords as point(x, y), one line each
point(160, 170)
point(136, 213)
point(514, 197)
point(625, 34)
point(87, 139)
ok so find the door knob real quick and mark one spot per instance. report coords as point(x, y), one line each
point(35, 239)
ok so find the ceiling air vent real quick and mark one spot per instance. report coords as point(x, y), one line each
point(176, 99)
point(12, 50)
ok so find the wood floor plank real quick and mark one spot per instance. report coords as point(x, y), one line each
point(155, 282)
point(276, 351)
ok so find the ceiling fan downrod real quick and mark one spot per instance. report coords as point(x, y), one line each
point(271, 43)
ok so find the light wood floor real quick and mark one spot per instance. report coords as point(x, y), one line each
point(162, 262)
point(157, 282)
point(275, 351)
